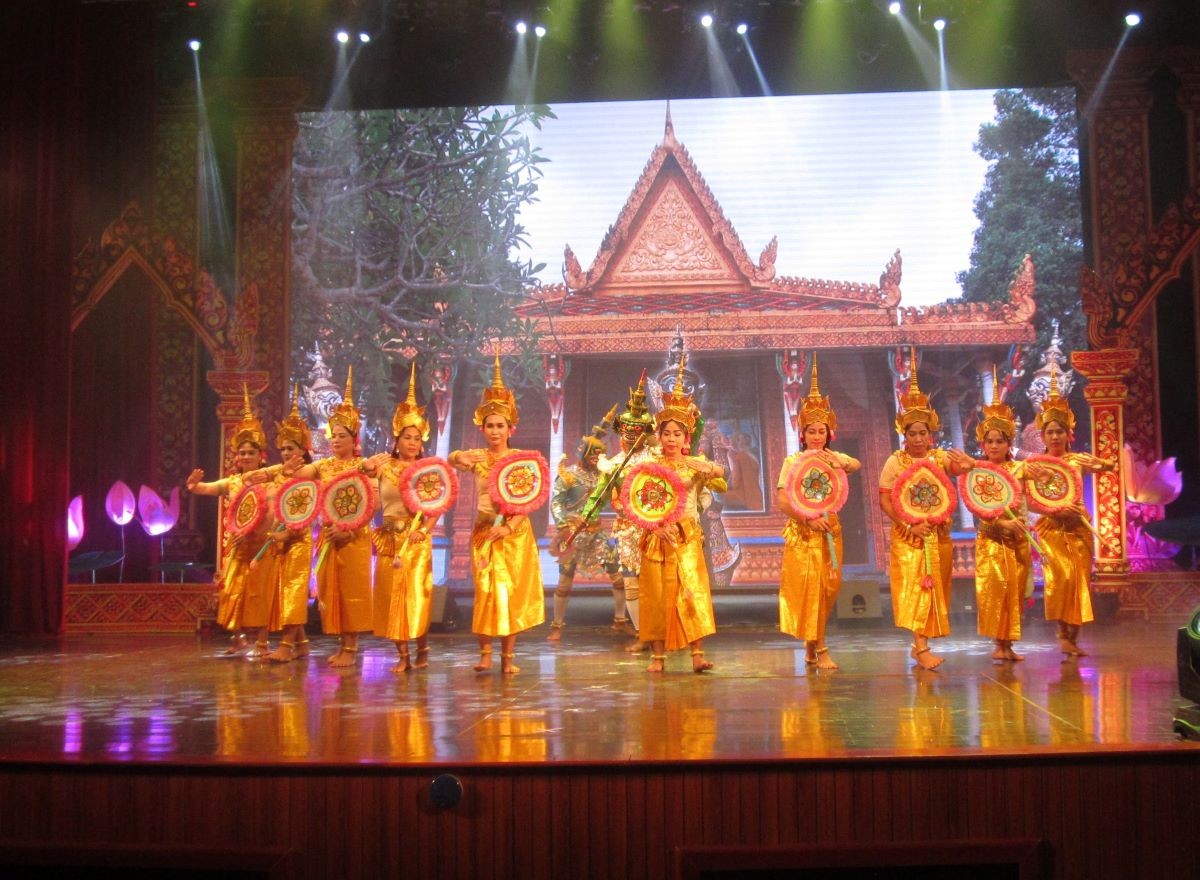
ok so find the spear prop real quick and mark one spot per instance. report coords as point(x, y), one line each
point(589, 509)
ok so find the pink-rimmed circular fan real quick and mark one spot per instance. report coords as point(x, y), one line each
point(348, 501)
point(814, 487)
point(519, 482)
point(429, 486)
point(923, 494)
point(653, 495)
point(296, 503)
point(989, 490)
point(1057, 487)
point(246, 512)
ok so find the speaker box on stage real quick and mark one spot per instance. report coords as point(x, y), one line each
point(859, 601)
point(443, 613)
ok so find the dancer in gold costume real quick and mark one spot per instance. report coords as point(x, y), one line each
point(811, 578)
point(1065, 537)
point(509, 596)
point(1002, 560)
point(403, 544)
point(246, 593)
point(922, 610)
point(293, 548)
point(676, 599)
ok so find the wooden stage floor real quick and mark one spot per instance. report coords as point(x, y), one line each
point(159, 699)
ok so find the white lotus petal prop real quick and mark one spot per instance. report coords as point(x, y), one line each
point(119, 504)
point(1156, 483)
point(157, 516)
point(74, 522)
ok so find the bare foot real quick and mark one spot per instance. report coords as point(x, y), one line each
point(1069, 648)
point(422, 659)
point(285, 653)
point(623, 627)
point(237, 644)
point(402, 665)
point(657, 663)
point(303, 649)
point(925, 658)
point(485, 660)
point(699, 664)
point(637, 646)
point(556, 629)
point(824, 661)
point(999, 653)
point(343, 658)
point(507, 667)
point(259, 651)
point(810, 653)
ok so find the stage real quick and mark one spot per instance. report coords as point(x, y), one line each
point(144, 750)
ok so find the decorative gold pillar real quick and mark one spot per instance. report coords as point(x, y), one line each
point(265, 128)
point(1106, 394)
point(1185, 65)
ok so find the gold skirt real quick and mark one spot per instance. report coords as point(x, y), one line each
point(676, 601)
point(808, 581)
point(924, 610)
point(1066, 569)
point(509, 597)
point(344, 586)
point(1002, 565)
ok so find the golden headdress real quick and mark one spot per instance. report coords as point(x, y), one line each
point(497, 399)
point(678, 405)
point(815, 408)
point(997, 416)
point(914, 405)
point(408, 414)
point(249, 429)
point(294, 428)
point(636, 416)
point(594, 442)
point(1055, 407)
point(346, 413)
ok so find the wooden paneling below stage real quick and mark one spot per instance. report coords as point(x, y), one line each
point(1100, 816)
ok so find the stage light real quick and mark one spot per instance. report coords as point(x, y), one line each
point(540, 30)
point(939, 24)
point(343, 37)
point(742, 28)
point(706, 20)
point(194, 45)
point(364, 37)
point(1133, 19)
point(521, 28)
point(895, 8)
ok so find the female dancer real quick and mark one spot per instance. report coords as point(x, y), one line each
point(1065, 537)
point(293, 547)
point(509, 597)
point(924, 611)
point(1002, 560)
point(676, 599)
point(811, 578)
point(404, 550)
point(246, 592)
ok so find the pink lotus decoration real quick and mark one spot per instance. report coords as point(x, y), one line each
point(1156, 483)
point(119, 503)
point(74, 522)
point(157, 516)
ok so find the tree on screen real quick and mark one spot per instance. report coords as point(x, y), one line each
point(403, 226)
point(1030, 204)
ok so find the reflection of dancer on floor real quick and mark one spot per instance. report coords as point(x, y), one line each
point(509, 596)
point(676, 600)
point(244, 602)
point(635, 422)
point(590, 550)
point(292, 547)
point(404, 550)
point(812, 564)
point(1002, 560)
point(1065, 538)
point(344, 578)
point(920, 608)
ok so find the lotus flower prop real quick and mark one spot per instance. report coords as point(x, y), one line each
point(74, 522)
point(158, 517)
point(1156, 483)
point(120, 504)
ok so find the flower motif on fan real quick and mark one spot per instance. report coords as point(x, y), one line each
point(987, 486)
point(924, 495)
point(246, 510)
point(519, 481)
point(299, 501)
point(429, 487)
point(817, 485)
point(347, 500)
point(655, 495)
point(1053, 486)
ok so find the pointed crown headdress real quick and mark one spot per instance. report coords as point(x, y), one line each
point(914, 405)
point(293, 427)
point(636, 415)
point(678, 405)
point(249, 429)
point(595, 440)
point(407, 413)
point(997, 416)
point(497, 399)
point(815, 408)
point(346, 413)
point(1055, 407)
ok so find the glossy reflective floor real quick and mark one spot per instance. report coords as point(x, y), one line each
point(173, 699)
